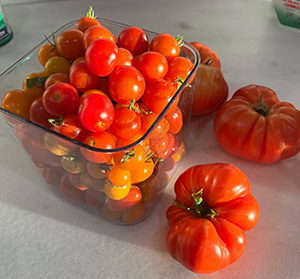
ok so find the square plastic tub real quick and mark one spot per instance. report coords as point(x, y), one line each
point(69, 174)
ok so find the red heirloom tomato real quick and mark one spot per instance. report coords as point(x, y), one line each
point(96, 112)
point(212, 210)
point(125, 84)
point(60, 99)
point(153, 65)
point(211, 90)
point(167, 45)
point(102, 56)
point(69, 44)
point(256, 126)
point(134, 39)
point(208, 57)
point(81, 77)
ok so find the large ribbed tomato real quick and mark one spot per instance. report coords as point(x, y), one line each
point(212, 210)
point(256, 126)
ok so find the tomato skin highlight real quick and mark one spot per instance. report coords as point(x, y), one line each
point(212, 210)
point(268, 131)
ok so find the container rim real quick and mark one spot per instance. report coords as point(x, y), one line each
point(27, 56)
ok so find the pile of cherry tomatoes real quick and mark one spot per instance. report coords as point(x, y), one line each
point(99, 92)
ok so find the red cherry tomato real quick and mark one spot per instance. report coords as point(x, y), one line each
point(69, 44)
point(101, 140)
point(56, 78)
point(38, 114)
point(175, 120)
point(81, 77)
point(153, 65)
point(70, 126)
point(166, 44)
point(179, 68)
point(60, 99)
point(126, 124)
point(96, 32)
point(102, 56)
point(161, 128)
point(134, 39)
point(132, 199)
point(126, 58)
point(158, 94)
point(126, 83)
point(87, 21)
point(96, 112)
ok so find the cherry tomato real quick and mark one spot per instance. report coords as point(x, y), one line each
point(94, 198)
point(38, 114)
point(175, 120)
point(35, 91)
point(70, 126)
point(60, 99)
point(91, 182)
point(69, 44)
point(126, 57)
point(76, 181)
point(18, 102)
point(102, 140)
point(134, 214)
point(73, 165)
point(46, 52)
point(143, 172)
point(81, 77)
point(118, 176)
point(115, 192)
point(130, 159)
point(153, 65)
point(90, 92)
point(95, 170)
point(69, 191)
point(150, 188)
point(87, 21)
point(96, 32)
point(125, 84)
point(158, 94)
point(179, 68)
point(57, 64)
point(166, 44)
point(126, 124)
point(102, 56)
point(132, 199)
point(134, 39)
point(96, 112)
point(150, 119)
point(56, 78)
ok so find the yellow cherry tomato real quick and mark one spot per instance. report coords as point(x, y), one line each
point(116, 192)
point(57, 64)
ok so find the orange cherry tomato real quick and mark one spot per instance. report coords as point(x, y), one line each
point(116, 192)
point(143, 172)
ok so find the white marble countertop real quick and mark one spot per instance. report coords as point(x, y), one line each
point(44, 236)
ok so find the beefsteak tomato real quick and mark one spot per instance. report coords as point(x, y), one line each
point(211, 212)
point(256, 126)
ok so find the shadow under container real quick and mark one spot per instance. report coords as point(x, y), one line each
point(63, 161)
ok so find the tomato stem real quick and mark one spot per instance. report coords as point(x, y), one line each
point(90, 13)
point(262, 109)
point(200, 209)
point(180, 40)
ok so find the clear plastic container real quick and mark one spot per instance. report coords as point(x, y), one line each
point(75, 178)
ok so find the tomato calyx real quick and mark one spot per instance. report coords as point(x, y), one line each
point(128, 155)
point(31, 82)
point(53, 44)
point(262, 109)
point(91, 13)
point(180, 40)
point(200, 209)
point(104, 168)
point(57, 121)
